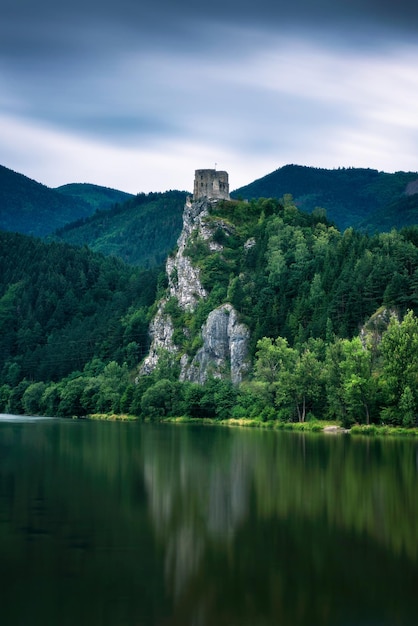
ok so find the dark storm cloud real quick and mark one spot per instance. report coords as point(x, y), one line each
point(270, 80)
point(34, 27)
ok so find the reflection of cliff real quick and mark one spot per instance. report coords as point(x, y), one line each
point(194, 500)
point(231, 508)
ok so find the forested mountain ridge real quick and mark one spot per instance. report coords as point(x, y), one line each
point(96, 196)
point(365, 198)
point(141, 231)
point(324, 321)
point(29, 207)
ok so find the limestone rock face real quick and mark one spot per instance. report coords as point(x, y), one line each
point(225, 339)
point(161, 331)
point(225, 347)
point(183, 277)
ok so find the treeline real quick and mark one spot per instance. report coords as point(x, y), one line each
point(368, 380)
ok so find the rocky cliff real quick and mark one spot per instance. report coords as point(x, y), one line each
point(223, 339)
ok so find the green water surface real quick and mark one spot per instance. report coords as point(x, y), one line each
point(114, 524)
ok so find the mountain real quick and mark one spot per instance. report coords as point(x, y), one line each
point(29, 207)
point(96, 196)
point(264, 312)
point(351, 196)
point(141, 231)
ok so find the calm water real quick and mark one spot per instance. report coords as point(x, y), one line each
point(129, 524)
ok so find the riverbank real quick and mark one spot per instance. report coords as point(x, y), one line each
point(383, 431)
point(314, 426)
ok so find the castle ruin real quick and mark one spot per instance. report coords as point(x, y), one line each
point(211, 184)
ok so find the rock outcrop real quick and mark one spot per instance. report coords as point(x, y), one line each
point(224, 352)
point(183, 277)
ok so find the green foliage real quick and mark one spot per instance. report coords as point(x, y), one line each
point(75, 324)
point(61, 307)
point(364, 198)
point(161, 399)
point(33, 209)
point(96, 196)
point(141, 231)
point(399, 373)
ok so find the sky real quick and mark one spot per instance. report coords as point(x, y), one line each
point(137, 94)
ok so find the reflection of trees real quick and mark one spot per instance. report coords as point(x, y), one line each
point(297, 521)
point(73, 530)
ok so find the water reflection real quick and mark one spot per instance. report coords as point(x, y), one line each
point(106, 523)
point(304, 529)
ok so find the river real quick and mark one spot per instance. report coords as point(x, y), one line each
point(114, 524)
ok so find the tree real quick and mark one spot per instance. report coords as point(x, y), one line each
point(161, 399)
point(359, 386)
point(32, 398)
point(272, 357)
point(4, 397)
point(306, 382)
point(350, 383)
point(111, 385)
point(399, 376)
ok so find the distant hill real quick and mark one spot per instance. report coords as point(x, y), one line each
point(141, 231)
point(98, 197)
point(29, 207)
point(354, 197)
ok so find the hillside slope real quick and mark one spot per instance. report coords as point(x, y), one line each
point(29, 207)
point(352, 197)
point(61, 306)
point(98, 197)
point(141, 231)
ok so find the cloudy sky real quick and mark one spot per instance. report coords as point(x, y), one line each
point(137, 94)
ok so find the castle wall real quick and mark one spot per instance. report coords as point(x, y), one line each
point(211, 184)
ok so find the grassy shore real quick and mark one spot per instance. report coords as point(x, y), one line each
point(113, 417)
point(314, 426)
point(311, 426)
point(383, 431)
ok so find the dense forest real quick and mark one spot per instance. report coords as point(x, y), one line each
point(96, 196)
point(63, 309)
point(332, 318)
point(360, 197)
point(141, 231)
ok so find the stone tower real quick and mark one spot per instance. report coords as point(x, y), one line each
point(211, 184)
